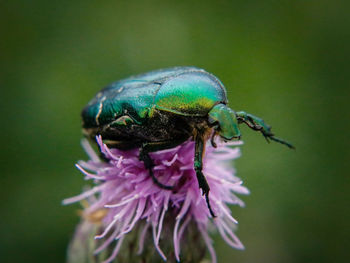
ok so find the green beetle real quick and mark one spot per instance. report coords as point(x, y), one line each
point(164, 108)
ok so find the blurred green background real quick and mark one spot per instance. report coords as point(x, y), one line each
point(286, 61)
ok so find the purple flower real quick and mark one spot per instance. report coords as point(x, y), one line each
point(127, 195)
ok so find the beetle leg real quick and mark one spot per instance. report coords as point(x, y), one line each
point(144, 156)
point(148, 147)
point(198, 165)
point(212, 139)
point(258, 124)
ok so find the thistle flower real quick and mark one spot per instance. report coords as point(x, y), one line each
point(125, 198)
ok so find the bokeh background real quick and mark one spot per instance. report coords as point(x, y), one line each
point(286, 61)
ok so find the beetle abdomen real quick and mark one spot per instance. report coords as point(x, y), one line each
point(133, 98)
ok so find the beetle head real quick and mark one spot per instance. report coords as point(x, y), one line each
point(224, 121)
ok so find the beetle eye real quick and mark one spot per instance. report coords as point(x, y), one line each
point(212, 122)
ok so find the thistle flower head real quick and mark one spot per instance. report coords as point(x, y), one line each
point(125, 195)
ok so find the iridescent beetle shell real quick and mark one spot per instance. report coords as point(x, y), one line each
point(187, 91)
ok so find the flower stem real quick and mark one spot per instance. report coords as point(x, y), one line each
point(83, 245)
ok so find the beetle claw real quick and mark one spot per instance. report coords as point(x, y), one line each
point(203, 184)
point(159, 184)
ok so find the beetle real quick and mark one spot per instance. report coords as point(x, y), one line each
point(164, 108)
